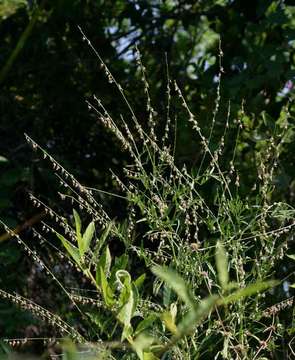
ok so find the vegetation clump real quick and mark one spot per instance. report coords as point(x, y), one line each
point(188, 271)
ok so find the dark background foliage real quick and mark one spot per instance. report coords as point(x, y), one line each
point(47, 72)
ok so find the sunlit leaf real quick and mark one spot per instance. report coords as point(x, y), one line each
point(78, 230)
point(139, 281)
point(104, 262)
point(127, 301)
point(107, 292)
point(169, 322)
point(71, 249)
point(141, 346)
point(252, 289)
point(77, 221)
point(195, 317)
point(221, 264)
point(145, 323)
point(87, 237)
point(175, 282)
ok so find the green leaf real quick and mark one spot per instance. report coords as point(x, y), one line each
point(127, 301)
point(145, 323)
point(166, 295)
point(193, 318)
point(141, 346)
point(139, 281)
point(197, 311)
point(71, 249)
point(221, 264)
point(104, 262)
point(258, 286)
point(105, 234)
point(101, 240)
point(176, 283)
point(78, 230)
point(107, 292)
point(77, 221)
point(169, 322)
point(120, 263)
point(87, 237)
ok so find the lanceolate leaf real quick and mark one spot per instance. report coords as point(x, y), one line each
point(77, 221)
point(78, 229)
point(126, 301)
point(107, 292)
point(258, 286)
point(87, 237)
point(176, 283)
point(194, 317)
point(145, 323)
point(221, 264)
point(197, 311)
point(141, 345)
point(104, 262)
point(139, 281)
point(71, 249)
point(105, 234)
